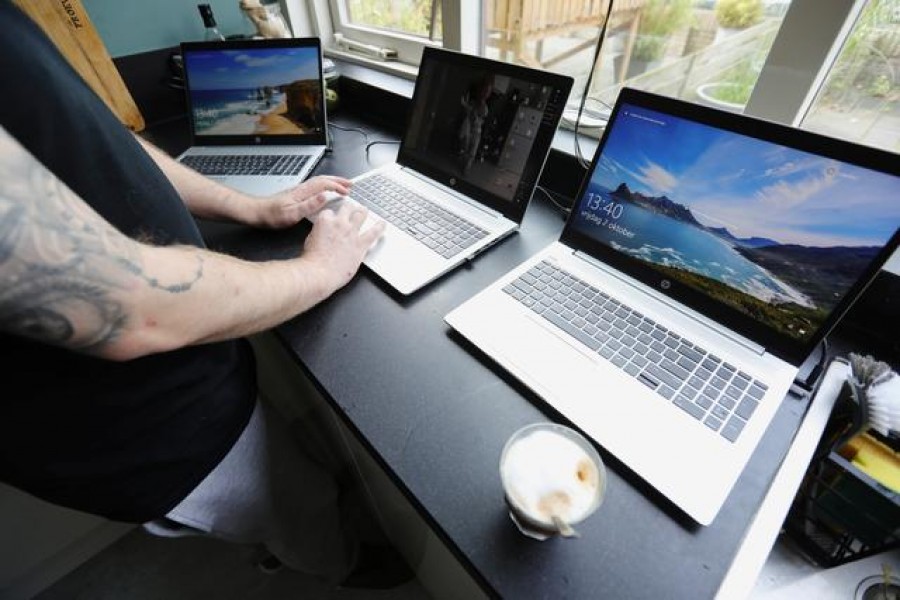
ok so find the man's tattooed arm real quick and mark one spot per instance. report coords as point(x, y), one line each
point(72, 280)
point(65, 271)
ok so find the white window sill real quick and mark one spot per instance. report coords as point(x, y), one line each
point(391, 67)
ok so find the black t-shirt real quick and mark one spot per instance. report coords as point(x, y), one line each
point(125, 440)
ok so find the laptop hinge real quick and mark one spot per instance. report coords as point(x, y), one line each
point(455, 193)
point(688, 312)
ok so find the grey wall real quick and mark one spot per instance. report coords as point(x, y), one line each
point(129, 27)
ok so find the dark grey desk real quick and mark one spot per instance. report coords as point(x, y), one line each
point(435, 414)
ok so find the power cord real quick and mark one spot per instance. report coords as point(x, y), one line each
point(353, 129)
point(565, 210)
point(376, 142)
point(368, 144)
point(585, 164)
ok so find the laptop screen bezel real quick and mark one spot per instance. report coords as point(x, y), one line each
point(306, 139)
point(407, 157)
point(789, 349)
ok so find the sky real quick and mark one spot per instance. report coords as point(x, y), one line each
point(752, 188)
point(247, 69)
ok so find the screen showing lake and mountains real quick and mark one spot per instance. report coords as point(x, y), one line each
point(777, 233)
point(257, 91)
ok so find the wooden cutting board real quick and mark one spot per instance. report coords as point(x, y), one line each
point(66, 22)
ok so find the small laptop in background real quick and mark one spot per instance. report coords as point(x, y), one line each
point(706, 256)
point(257, 111)
point(476, 140)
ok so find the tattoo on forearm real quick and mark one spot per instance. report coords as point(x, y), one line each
point(63, 267)
point(175, 288)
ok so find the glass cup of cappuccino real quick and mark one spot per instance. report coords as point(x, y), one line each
point(553, 479)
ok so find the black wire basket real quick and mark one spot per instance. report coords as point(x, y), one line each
point(840, 513)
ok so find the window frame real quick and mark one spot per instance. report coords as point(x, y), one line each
point(461, 31)
point(804, 50)
point(798, 63)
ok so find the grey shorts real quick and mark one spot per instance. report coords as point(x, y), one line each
point(268, 491)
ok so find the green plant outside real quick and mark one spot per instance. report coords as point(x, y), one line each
point(739, 14)
point(737, 84)
point(865, 62)
point(405, 16)
point(861, 68)
point(659, 19)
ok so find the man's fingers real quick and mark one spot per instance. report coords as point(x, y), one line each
point(352, 212)
point(358, 215)
point(342, 181)
point(372, 234)
point(316, 202)
point(326, 214)
point(323, 183)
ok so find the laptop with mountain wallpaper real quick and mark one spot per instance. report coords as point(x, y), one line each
point(705, 257)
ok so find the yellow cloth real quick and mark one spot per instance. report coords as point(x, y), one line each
point(875, 459)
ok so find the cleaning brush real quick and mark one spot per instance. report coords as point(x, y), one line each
point(883, 397)
point(873, 388)
point(876, 389)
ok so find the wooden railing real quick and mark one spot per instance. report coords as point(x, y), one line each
point(518, 28)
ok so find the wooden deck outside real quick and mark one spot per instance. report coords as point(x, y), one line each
point(518, 28)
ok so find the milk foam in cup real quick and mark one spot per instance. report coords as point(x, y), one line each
point(550, 471)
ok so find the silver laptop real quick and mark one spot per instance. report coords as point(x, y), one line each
point(706, 256)
point(477, 137)
point(257, 111)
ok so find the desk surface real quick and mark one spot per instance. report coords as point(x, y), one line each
point(435, 414)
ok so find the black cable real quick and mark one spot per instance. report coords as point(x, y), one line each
point(370, 144)
point(352, 129)
point(565, 210)
point(602, 103)
point(587, 86)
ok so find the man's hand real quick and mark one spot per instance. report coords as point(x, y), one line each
point(209, 199)
point(336, 247)
point(291, 206)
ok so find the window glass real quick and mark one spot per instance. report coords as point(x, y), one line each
point(860, 100)
point(420, 18)
point(708, 51)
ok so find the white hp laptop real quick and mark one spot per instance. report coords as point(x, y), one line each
point(707, 254)
point(257, 111)
point(477, 137)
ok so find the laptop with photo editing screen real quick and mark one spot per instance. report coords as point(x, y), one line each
point(256, 110)
point(706, 256)
point(475, 144)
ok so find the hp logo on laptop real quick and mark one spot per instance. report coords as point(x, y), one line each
point(665, 284)
point(257, 140)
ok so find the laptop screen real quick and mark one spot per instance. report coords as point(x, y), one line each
point(483, 127)
point(780, 227)
point(255, 91)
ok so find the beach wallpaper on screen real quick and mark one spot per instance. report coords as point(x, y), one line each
point(777, 233)
point(253, 92)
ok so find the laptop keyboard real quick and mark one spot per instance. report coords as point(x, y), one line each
point(258, 164)
point(439, 229)
point(710, 390)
